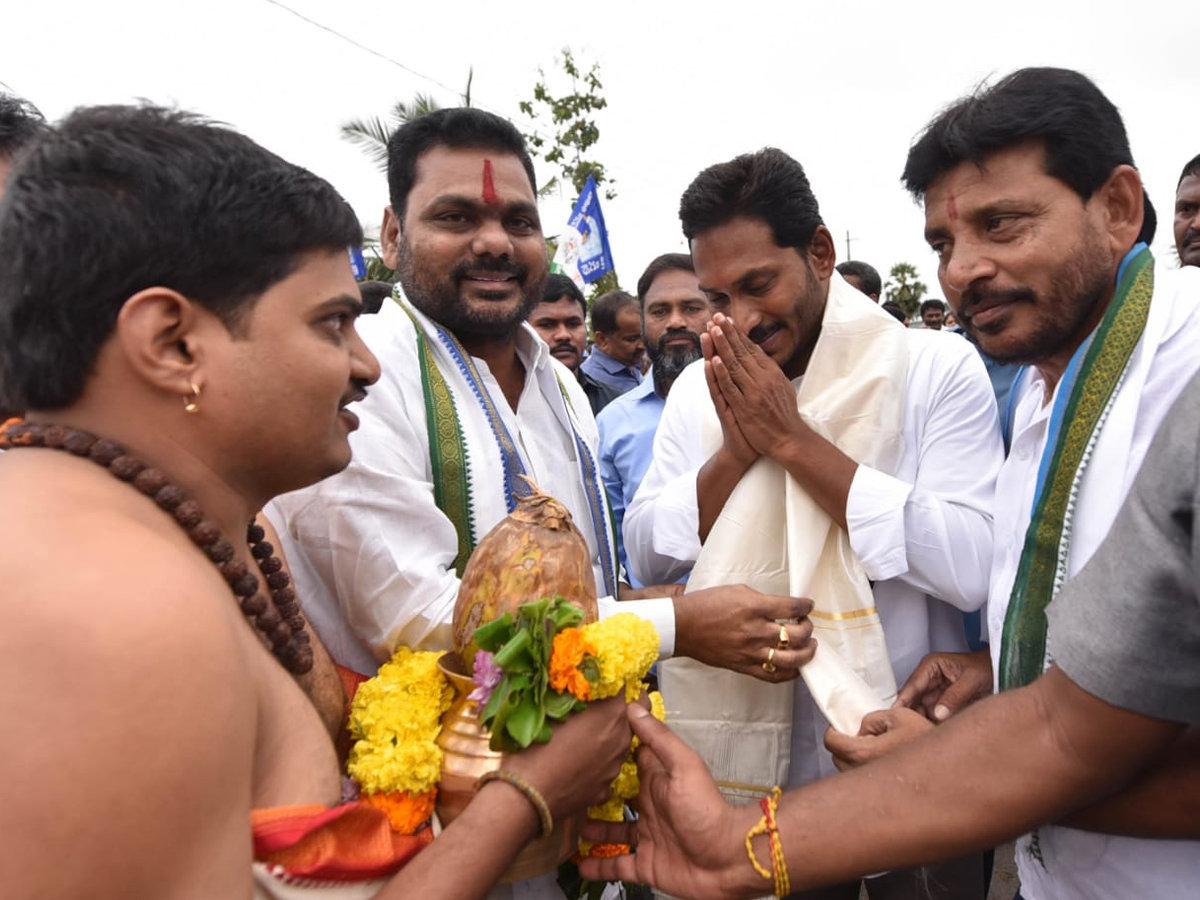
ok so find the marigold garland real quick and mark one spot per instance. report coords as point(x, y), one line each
point(406, 812)
point(625, 787)
point(568, 652)
point(395, 719)
point(626, 647)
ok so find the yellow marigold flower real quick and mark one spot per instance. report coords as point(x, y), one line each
point(566, 655)
point(405, 812)
point(395, 718)
point(625, 786)
point(626, 648)
point(657, 707)
point(612, 810)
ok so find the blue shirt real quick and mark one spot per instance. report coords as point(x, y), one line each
point(627, 427)
point(603, 368)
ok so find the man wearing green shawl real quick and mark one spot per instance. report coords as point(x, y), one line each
point(1040, 224)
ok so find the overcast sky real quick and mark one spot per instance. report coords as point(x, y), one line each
point(843, 87)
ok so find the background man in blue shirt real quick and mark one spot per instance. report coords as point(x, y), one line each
point(674, 311)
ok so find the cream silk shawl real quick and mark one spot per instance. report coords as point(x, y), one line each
point(775, 538)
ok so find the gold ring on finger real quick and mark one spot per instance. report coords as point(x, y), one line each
point(769, 665)
point(784, 640)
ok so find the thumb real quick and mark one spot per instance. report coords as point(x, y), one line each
point(670, 750)
point(954, 698)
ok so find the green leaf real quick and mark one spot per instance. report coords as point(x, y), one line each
point(559, 706)
point(494, 634)
point(515, 652)
point(526, 721)
point(495, 702)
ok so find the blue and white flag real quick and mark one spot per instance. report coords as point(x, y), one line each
point(358, 265)
point(583, 254)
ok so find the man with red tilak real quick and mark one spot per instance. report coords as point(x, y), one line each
point(470, 399)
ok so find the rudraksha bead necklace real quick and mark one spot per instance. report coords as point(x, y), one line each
point(279, 621)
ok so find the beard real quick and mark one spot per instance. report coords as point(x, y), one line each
point(669, 362)
point(1074, 295)
point(440, 296)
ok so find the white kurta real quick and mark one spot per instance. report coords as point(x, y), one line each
point(922, 533)
point(371, 553)
point(1081, 863)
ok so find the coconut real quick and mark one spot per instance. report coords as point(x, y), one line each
point(534, 552)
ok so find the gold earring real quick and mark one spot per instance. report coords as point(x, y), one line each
point(189, 403)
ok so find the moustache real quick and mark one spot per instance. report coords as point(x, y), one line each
point(491, 266)
point(760, 333)
point(354, 395)
point(973, 298)
point(565, 345)
point(673, 334)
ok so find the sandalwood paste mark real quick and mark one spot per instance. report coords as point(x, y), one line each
point(490, 197)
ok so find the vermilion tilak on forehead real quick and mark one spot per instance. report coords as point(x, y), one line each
point(952, 208)
point(490, 197)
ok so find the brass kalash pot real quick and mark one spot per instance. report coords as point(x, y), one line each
point(534, 552)
point(466, 756)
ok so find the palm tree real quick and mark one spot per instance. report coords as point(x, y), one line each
point(371, 134)
point(904, 288)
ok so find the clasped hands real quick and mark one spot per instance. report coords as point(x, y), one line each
point(755, 401)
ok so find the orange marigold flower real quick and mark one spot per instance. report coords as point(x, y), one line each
point(405, 812)
point(566, 655)
point(605, 851)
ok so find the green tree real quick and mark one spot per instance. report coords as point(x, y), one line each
point(569, 120)
point(904, 288)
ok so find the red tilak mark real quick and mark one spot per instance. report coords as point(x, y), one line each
point(951, 208)
point(490, 197)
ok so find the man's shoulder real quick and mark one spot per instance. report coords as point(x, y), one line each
point(134, 590)
point(623, 409)
point(593, 364)
point(948, 360)
point(600, 394)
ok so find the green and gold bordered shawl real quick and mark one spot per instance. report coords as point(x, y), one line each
point(447, 451)
point(451, 464)
point(1089, 396)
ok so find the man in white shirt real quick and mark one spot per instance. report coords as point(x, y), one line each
point(470, 399)
point(917, 511)
point(1037, 215)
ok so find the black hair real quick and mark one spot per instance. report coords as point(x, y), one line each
point(767, 185)
point(374, 293)
point(456, 128)
point(559, 285)
point(139, 197)
point(896, 310)
point(20, 123)
point(1079, 127)
point(605, 309)
point(667, 262)
point(866, 274)
point(1192, 168)
point(932, 304)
